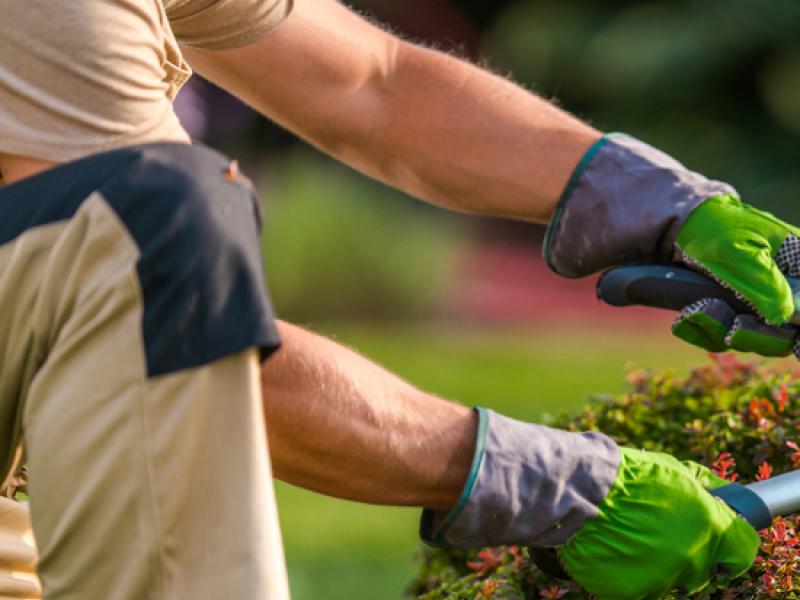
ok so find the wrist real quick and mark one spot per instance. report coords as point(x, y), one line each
point(625, 202)
point(439, 484)
point(527, 484)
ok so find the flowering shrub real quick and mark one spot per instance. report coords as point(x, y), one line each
point(739, 418)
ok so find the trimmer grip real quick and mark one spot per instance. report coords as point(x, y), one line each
point(660, 286)
point(672, 288)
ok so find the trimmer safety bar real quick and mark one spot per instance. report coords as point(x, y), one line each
point(780, 494)
point(746, 503)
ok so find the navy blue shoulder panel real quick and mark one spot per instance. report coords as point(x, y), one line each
point(56, 194)
point(200, 267)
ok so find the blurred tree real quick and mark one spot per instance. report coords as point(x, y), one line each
point(334, 251)
point(443, 23)
point(715, 82)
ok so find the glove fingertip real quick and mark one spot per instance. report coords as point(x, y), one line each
point(749, 334)
point(741, 548)
point(704, 323)
point(703, 475)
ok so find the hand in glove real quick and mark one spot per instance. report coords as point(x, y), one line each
point(628, 202)
point(750, 252)
point(628, 524)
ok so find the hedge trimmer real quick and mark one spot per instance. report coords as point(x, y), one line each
point(674, 288)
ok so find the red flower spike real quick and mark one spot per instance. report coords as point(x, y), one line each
point(764, 471)
point(553, 593)
point(489, 588)
point(488, 560)
point(795, 456)
point(760, 410)
point(725, 467)
point(516, 557)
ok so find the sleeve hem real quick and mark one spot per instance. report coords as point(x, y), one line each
point(435, 535)
point(270, 22)
point(550, 234)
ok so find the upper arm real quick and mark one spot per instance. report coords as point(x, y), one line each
point(315, 74)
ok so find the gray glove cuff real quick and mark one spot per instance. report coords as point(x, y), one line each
point(625, 202)
point(529, 485)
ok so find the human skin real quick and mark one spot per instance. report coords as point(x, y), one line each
point(439, 128)
point(14, 167)
point(341, 425)
point(443, 131)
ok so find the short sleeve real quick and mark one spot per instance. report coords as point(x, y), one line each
point(222, 24)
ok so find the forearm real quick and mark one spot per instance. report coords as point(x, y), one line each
point(470, 140)
point(437, 127)
point(343, 426)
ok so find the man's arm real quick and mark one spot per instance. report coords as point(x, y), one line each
point(341, 425)
point(434, 126)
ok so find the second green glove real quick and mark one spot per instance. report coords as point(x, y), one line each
point(628, 524)
point(628, 202)
point(750, 252)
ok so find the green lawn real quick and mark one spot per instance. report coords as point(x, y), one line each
point(341, 550)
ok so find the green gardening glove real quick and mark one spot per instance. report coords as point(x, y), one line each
point(626, 524)
point(629, 202)
point(657, 530)
point(750, 252)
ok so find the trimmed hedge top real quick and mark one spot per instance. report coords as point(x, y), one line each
point(740, 418)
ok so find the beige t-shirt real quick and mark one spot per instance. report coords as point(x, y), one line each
point(82, 76)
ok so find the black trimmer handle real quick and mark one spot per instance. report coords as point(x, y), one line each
point(661, 286)
point(673, 288)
